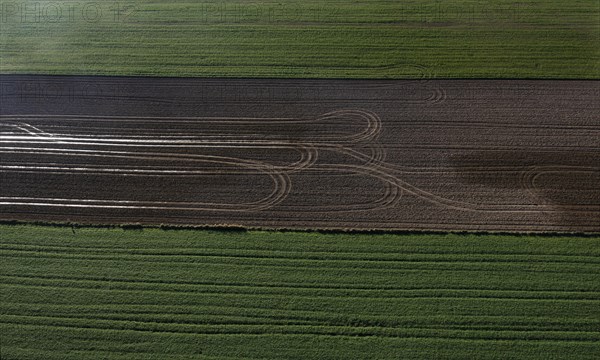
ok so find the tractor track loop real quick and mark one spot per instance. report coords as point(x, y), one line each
point(370, 158)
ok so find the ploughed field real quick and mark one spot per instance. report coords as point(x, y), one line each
point(88, 293)
point(512, 155)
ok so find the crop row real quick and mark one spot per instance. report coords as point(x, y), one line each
point(76, 293)
point(378, 39)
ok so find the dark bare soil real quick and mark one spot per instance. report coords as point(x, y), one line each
point(498, 155)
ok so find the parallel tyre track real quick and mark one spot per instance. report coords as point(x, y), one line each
point(471, 162)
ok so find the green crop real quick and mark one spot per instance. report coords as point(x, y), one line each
point(89, 293)
point(303, 39)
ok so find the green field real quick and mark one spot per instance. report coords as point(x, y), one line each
point(299, 39)
point(110, 293)
point(89, 293)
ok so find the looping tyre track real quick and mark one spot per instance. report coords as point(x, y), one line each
point(303, 157)
point(309, 152)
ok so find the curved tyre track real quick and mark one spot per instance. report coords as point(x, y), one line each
point(466, 156)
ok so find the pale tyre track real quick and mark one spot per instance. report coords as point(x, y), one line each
point(459, 154)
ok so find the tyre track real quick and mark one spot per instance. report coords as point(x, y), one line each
point(364, 149)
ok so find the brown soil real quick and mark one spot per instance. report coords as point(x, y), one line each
point(497, 155)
